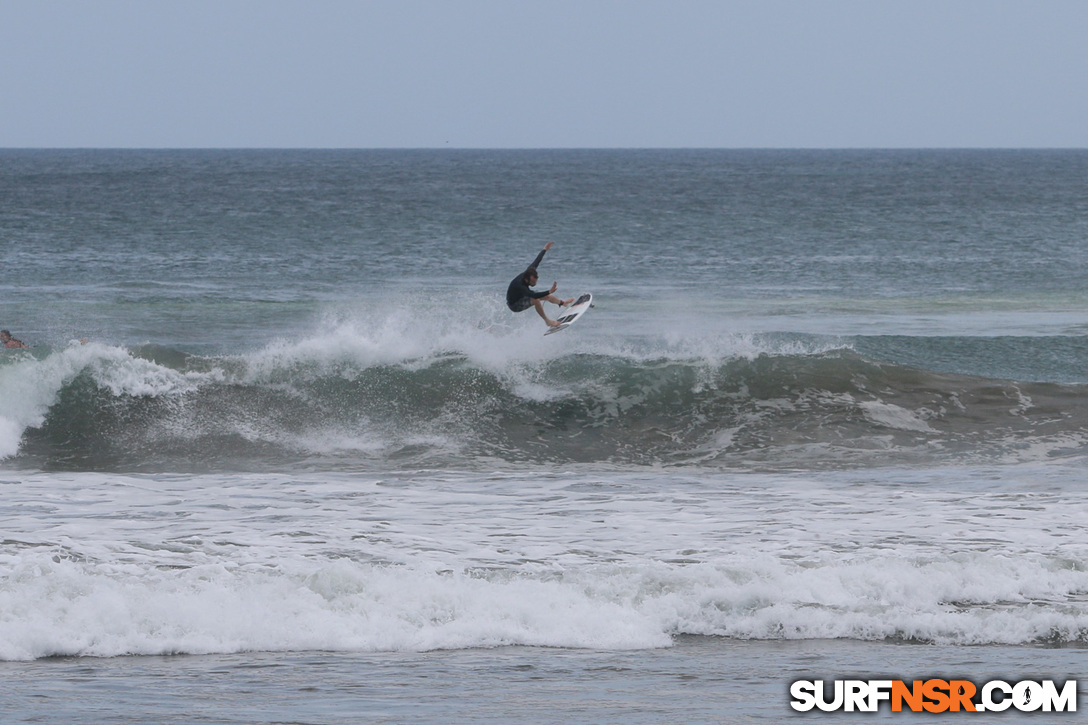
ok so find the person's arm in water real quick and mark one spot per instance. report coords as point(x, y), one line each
point(6, 340)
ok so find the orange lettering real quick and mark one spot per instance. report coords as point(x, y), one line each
point(935, 690)
point(912, 695)
point(961, 692)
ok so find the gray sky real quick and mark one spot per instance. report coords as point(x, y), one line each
point(545, 73)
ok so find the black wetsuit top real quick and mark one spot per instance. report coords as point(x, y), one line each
point(519, 295)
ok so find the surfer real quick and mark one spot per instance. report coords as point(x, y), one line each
point(8, 341)
point(520, 295)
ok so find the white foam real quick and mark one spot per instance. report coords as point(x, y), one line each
point(82, 608)
point(29, 386)
point(894, 416)
point(107, 565)
point(482, 330)
point(76, 608)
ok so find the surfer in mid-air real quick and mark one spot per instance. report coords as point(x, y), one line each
point(520, 295)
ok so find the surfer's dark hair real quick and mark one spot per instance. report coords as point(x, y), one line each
point(531, 272)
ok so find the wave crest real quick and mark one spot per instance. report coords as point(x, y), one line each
point(343, 399)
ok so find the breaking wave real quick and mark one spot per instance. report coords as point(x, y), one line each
point(356, 398)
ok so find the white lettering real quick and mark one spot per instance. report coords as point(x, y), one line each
point(1027, 696)
point(856, 695)
point(879, 690)
point(988, 699)
point(994, 696)
point(821, 700)
point(1065, 701)
point(804, 695)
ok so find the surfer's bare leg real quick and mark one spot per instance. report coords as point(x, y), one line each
point(540, 310)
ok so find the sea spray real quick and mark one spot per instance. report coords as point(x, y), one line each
point(410, 390)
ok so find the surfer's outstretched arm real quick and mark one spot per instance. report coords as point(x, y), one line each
point(555, 300)
point(520, 295)
point(538, 304)
point(540, 257)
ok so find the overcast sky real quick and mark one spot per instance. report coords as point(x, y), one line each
point(544, 73)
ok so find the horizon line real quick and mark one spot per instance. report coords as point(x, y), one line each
point(543, 148)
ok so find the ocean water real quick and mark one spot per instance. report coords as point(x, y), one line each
point(278, 452)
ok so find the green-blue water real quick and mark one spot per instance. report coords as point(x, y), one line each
point(275, 406)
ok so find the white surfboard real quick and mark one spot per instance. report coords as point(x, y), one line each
point(572, 313)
